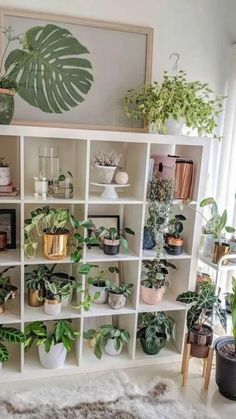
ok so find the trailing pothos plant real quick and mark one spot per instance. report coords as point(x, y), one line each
point(155, 273)
point(11, 335)
point(176, 97)
point(54, 221)
point(48, 59)
point(204, 304)
point(61, 332)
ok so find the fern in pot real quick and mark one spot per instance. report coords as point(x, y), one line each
point(167, 106)
point(106, 164)
point(154, 331)
point(11, 335)
point(53, 342)
point(154, 282)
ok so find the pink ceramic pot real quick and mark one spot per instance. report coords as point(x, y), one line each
point(152, 296)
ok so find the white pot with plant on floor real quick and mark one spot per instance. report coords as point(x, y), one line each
point(53, 342)
point(107, 338)
point(106, 163)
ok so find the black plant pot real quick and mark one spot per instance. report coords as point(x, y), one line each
point(110, 247)
point(174, 246)
point(225, 369)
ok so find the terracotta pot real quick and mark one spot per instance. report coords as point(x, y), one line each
point(174, 246)
point(152, 296)
point(55, 246)
point(116, 301)
point(219, 251)
point(200, 341)
point(52, 307)
point(111, 247)
point(33, 298)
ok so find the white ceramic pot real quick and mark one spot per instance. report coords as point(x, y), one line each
point(55, 358)
point(174, 127)
point(52, 307)
point(122, 178)
point(105, 173)
point(207, 245)
point(110, 348)
point(5, 176)
point(102, 299)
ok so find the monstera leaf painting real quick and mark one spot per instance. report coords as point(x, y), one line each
point(50, 70)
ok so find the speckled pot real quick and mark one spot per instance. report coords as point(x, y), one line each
point(105, 173)
point(116, 301)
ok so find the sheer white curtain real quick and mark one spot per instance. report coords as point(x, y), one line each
point(226, 185)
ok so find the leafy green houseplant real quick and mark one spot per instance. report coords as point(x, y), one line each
point(176, 99)
point(111, 239)
point(99, 284)
point(174, 240)
point(107, 337)
point(154, 282)
point(154, 330)
point(53, 342)
point(58, 229)
point(49, 59)
point(204, 304)
point(8, 334)
point(218, 227)
point(225, 348)
point(118, 294)
point(7, 290)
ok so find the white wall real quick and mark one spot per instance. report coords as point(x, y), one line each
point(201, 31)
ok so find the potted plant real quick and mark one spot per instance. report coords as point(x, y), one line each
point(111, 338)
point(98, 285)
point(118, 294)
point(154, 282)
point(55, 293)
point(168, 105)
point(111, 239)
point(174, 241)
point(5, 171)
point(53, 342)
point(58, 229)
point(35, 283)
point(160, 199)
point(204, 304)
point(11, 335)
point(37, 68)
point(225, 348)
point(106, 164)
point(154, 330)
point(218, 228)
point(7, 290)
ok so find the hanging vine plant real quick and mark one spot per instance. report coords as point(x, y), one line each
point(49, 72)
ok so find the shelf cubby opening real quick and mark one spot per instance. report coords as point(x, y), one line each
point(10, 150)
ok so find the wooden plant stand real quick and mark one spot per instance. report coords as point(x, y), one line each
point(206, 373)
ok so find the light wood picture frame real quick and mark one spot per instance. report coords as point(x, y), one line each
point(121, 57)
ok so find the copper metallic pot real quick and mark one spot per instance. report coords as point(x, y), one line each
point(33, 298)
point(55, 246)
point(174, 246)
point(219, 251)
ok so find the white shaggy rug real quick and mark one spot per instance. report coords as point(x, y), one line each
point(102, 397)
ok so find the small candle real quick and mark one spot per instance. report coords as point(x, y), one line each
point(40, 185)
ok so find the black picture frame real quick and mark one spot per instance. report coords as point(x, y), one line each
point(9, 228)
point(116, 224)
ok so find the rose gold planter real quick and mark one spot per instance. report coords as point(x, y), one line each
point(152, 296)
point(219, 251)
point(55, 246)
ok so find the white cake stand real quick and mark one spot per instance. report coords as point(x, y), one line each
point(109, 189)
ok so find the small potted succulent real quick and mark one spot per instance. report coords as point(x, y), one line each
point(7, 290)
point(168, 105)
point(53, 342)
point(106, 164)
point(98, 289)
point(174, 240)
point(154, 330)
point(58, 229)
point(11, 335)
point(5, 171)
point(218, 229)
point(204, 304)
point(107, 337)
point(111, 239)
point(118, 294)
point(154, 282)
point(225, 348)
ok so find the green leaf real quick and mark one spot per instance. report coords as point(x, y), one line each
point(75, 256)
point(67, 343)
point(129, 231)
point(187, 297)
point(207, 201)
point(11, 334)
point(4, 355)
point(84, 269)
point(50, 73)
point(230, 229)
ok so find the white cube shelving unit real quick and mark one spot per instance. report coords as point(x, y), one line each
point(19, 144)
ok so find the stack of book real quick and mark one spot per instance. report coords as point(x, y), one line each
point(8, 190)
